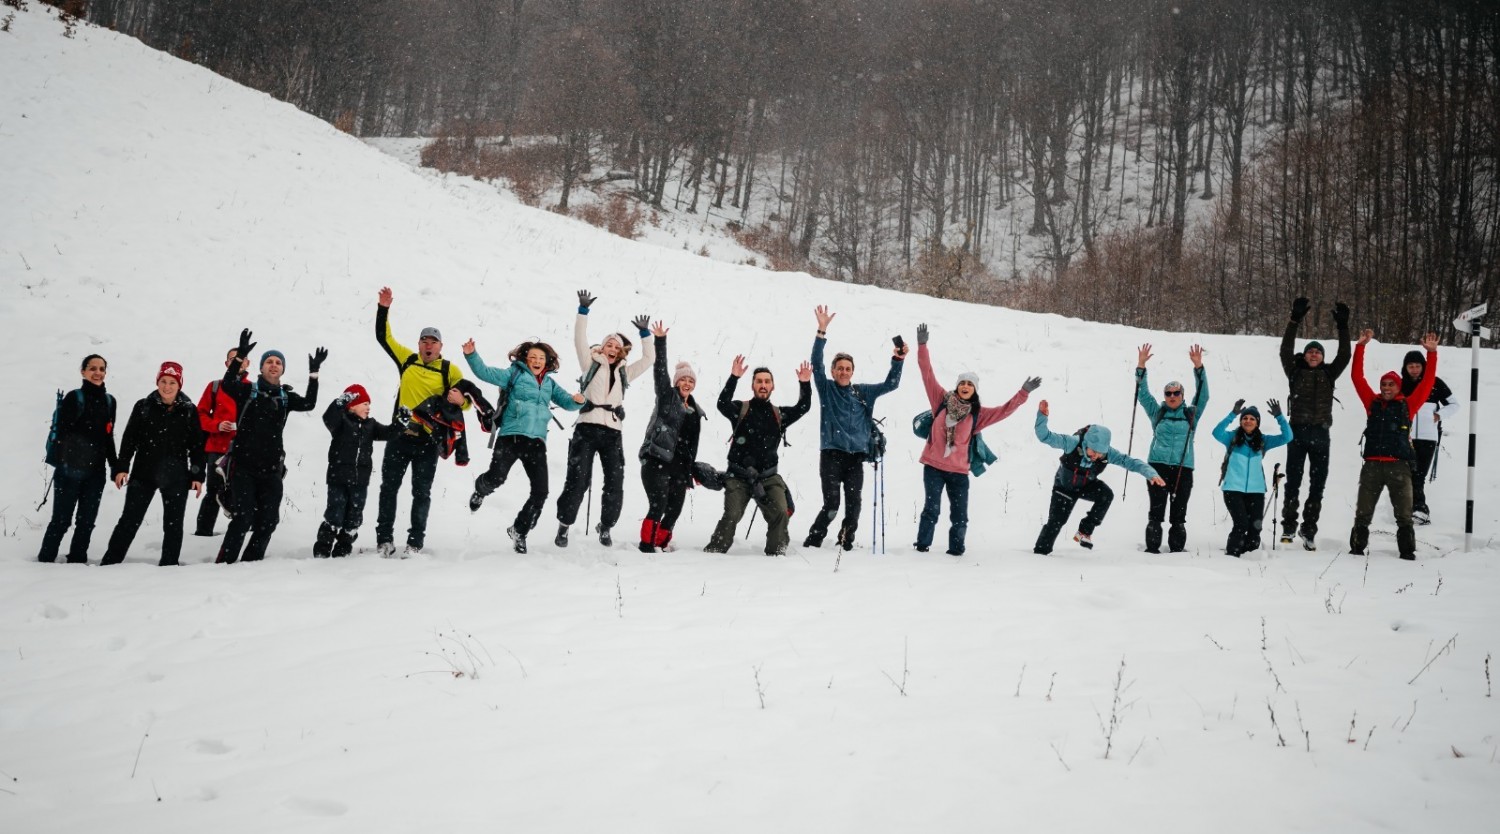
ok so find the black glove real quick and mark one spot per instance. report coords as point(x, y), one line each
point(315, 359)
point(585, 301)
point(343, 400)
point(1274, 406)
point(1299, 308)
point(1341, 315)
point(1238, 406)
point(1031, 384)
point(403, 417)
point(921, 334)
point(245, 346)
point(642, 324)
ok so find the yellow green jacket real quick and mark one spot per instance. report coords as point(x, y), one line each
point(419, 380)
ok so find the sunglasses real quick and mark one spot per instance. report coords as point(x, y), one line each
point(1176, 393)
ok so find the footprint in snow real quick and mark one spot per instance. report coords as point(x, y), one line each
point(52, 612)
point(316, 807)
point(211, 747)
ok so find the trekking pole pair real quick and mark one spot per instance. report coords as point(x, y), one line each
point(1276, 477)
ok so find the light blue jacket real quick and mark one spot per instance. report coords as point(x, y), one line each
point(1244, 472)
point(1074, 475)
point(527, 413)
point(1171, 426)
point(845, 411)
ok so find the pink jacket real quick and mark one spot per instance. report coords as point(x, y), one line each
point(958, 460)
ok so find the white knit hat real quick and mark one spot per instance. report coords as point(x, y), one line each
point(683, 369)
point(969, 377)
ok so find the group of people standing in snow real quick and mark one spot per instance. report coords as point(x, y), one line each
point(231, 442)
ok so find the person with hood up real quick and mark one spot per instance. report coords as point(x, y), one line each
point(1174, 422)
point(1244, 477)
point(1311, 378)
point(958, 416)
point(846, 411)
point(670, 449)
point(80, 452)
point(351, 459)
point(597, 432)
point(1388, 449)
point(527, 393)
point(257, 460)
point(162, 452)
point(1086, 453)
point(1426, 428)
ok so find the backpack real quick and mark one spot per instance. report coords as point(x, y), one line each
point(875, 451)
point(53, 456)
point(501, 402)
point(411, 360)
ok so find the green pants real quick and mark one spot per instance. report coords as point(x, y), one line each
point(737, 496)
point(1376, 476)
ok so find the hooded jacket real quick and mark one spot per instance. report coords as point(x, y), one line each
point(1172, 426)
point(163, 442)
point(1310, 400)
point(935, 452)
point(672, 435)
point(1245, 471)
point(1440, 402)
point(606, 391)
point(1072, 475)
point(846, 412)
point(528, 410)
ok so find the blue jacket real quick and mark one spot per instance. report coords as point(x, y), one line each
point(1171, 426)
point(1243, 472)
point(527, 413)
point(1096, 438)
point(845, 411)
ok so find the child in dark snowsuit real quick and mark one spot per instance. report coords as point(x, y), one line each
point(446, 421)
point(350, 461)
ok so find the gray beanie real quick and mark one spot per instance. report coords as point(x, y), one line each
point(969, 377)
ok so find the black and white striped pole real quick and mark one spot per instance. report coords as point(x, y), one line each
point(1468, 322)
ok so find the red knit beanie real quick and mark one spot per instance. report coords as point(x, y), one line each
point(171, 369)
point(1390, 376)
point(360, 395)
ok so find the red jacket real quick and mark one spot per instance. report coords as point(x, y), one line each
point(1414, 402)
point(215, 407)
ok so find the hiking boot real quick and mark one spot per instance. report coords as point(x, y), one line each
point(387, 550)
point(475, 501)
point(812, 541)
point(1084, 540)
point(647, 547)
point(1309, 543)
point(1286, 538)
point(411, 550)
point(920, 548)
point(955, 552)
point(518, 539)
point(561, 540)
point(1421, 516)
point(604, 538)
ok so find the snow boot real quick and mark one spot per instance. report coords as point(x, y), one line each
point(561, 539)
point(323, 546)
point(518, 539)
point(344, 544)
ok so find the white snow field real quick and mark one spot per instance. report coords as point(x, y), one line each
point(152, 209)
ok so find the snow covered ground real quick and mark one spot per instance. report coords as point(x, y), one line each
point(153, 209)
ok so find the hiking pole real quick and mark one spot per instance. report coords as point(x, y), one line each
point(588, 513)
point(882, 512)
point(874, 507)
point(1130, 444)
point(1275, 486)
point(1432, 472)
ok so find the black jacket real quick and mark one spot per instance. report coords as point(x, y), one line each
point(351, 451)
point(86, 431)
point(1310, 399)
point(263, 409)
point(758, 436)
point(163, 441)
point(672, 435)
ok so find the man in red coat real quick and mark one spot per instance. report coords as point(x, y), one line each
point(216, 414)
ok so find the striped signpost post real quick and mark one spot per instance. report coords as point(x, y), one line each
point(1468, 322)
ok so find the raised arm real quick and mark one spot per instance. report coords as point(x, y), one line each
point(727, 406)
point(494, 376)
point(394, 349)
point(1424, 387)
point(1362, 385)
point(1222, 432)
point(991, 415)
point(1341, 318)
point(1063, 442)
point(804, 397)
point(648, 348)
point(930, 384)
point(1143, 394)
point(661, 376)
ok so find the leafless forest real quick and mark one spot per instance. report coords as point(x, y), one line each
point(1338, 149)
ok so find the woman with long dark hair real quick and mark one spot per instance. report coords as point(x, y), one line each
point(1244, 477)
point(84, 444)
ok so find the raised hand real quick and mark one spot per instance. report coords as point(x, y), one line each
point(1195, 353)
point(315, 359)
point(658, 329)
point(1430, 341)
point(1274, 406)
point(1366, 335)
point(1300, 308)
point(825, 318)
point(243, 349)
point(469, 347)
point(739, 367)
point(1341, 315)
point(385, 296)
point(1031, 384)
point(641, 322)
point(804, 372)
point(1042, 407)
point(585, 301)
point(921, 334)
point(1239, 405)
point(1143, 355)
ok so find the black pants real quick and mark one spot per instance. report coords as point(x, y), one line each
point(255, 499)
point(532, 453)
point(208, 508)
point(419, 452)
point(590, 440)
point(1179, 488)
point(342, 517)
point(1246, 510)
point(138, 495)
point(73, 490)
point(840, 472)
point(1425, 449)
point(666, 491)
point(1062, 507)
point(1310, 446)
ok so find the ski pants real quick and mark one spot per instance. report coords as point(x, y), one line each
point(1374, 477)
point(1420, 466)
point(138, 495)
point(772, 498)
point(1309, 446)
point(532, 453)
point(75, 502)
point(666, 491)
point(208, 508)
point(256, 500)
point(1246, 510)
point(934, 482)
point(839, 472)
point(1062, 506)
point(1178, 488)
point(416, 449)
point(590, 439)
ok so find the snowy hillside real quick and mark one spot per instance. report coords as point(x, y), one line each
point(153, 209)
